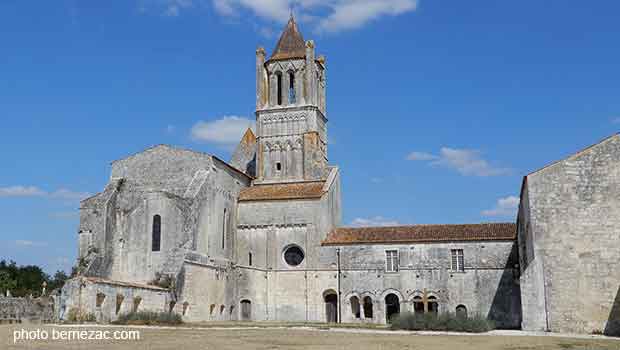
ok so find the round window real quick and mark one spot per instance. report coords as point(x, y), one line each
point(293, 255)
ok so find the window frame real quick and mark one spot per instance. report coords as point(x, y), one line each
point(457, 260)
point(392, 257)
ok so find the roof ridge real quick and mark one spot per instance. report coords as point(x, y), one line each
point(575, 154)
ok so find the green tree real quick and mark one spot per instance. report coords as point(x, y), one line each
point(6, 282)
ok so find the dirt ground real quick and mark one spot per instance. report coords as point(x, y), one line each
point(279, 338)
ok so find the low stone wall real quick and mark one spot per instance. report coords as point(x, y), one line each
point(27, 310)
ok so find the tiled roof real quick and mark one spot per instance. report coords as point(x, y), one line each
point(300, 190)
point(421, 233)
point(291, 43)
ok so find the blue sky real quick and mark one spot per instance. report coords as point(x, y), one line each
point(436, 108)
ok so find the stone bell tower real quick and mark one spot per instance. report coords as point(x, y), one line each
point(291, 120)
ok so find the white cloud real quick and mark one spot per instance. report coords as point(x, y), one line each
point(466, 161)
point(33, 191)
point(27, 243)
point(506, 207)
point(64, 193)
point(420, 156)
point(348, 15)
point(21, 191)
point(324, 15)
point(226, 131)
point(168, 8)
point(174, 7)
point(374, 221)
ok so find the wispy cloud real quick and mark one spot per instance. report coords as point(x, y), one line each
point(467, 162)
point(505, 207)
point(374, 221)
point(420, 156)
point(226, 131)
point(21, 191)
point(33, 191)
point(28, 243)
point(322, 15)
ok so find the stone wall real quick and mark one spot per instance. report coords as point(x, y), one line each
point(27, 310)
point(573, 231)
point(107, 300)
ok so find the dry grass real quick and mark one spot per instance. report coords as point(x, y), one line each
point(278, 338)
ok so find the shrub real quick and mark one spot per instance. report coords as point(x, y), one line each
point(441, 322)
point(149, 318)
point(76, 315)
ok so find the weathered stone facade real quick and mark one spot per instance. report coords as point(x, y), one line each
point(261, 238)
point(569, 243)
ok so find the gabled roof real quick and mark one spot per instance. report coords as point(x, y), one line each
point(576, 154)
point(283, 191)
point(421, 234)
point(291, 43)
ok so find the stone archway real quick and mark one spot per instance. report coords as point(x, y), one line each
point(392, 306)
point(246, 310)
point(331, 306)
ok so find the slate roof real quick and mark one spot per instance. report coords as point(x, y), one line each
point(291, 43)
point(299, 190)
point(421, 233)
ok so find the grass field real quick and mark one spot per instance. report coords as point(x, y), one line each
point(314, 338)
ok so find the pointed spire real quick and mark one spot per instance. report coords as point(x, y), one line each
point(248, 137)
point(291, 43)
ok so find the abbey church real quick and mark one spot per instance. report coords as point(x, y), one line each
point(260, 237)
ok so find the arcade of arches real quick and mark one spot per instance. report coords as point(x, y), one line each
point(365, 308)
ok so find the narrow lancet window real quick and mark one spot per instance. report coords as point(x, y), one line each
point(156, 239)
point(291, 88)
point(279, 82)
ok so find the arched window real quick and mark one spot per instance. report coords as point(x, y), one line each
point(367, 307)
point(279, 88)
point(291, 88)
point(156, 239)
point(250, 259)
point(136, 303)
point(119, 303)
point(461, 312)
point(224, 230)
point(355, 306)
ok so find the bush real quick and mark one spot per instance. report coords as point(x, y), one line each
point(149, 318)
point(442, 322)
point(76, 315)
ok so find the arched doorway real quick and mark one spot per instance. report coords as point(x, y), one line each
point(246, 310)
point(355, 307)
point(461, 312)
point(367, 307)
point(433, 306)
point(418, 305)
point(392, 306)
point(331, 306)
